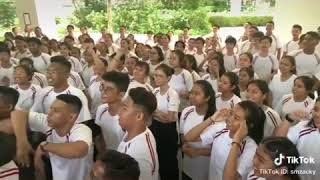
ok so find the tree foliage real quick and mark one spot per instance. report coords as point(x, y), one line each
point(7, 13)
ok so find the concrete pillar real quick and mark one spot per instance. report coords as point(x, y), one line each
point(289, 12)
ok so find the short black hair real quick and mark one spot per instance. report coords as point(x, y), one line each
point(144, 66)
point(34, 40)
point(254, 27)
point(216, 25)
point(121, 80)
point(180, 42)
point(9, 95)
point(270, 22)
point(27, 69)
point(119, 166)
point(267, 38)
point(69, 37)
point(166, 69)
point(314, 35)
point(145, 99)
point(200, 39)
point(231, 40)
point(21, 38)
point(61, 60)
point(73, 101)
point(258, 34)
point(70, 26)
point(27, 61)
point(297, 26)
point(5, 48)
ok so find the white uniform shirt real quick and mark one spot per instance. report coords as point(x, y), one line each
point(195, 76)
point(291, 46)
point(110, 128)
point(86, 74)
point(288, 105)
point(194, 167)
point(230, 62)
point(245, 46)
point(168, 101)
point(7, 76)
point(272, 121)
point(218, 136)
point(229, 104)
point(19, 55)
point(306, 64)
point(75, 64)
point(39, 79)
point(199, 58)
point(264, 66)
point(26, 97)
point(275, 45)
point(135, 84)
point(9, 171)
point(213, 82)
point(47, 96)
point(94, 91)
point(143, 149)
point(41, 62)
point(63, 168)
point(307, 140)
point(280, 88)
point(76, 81)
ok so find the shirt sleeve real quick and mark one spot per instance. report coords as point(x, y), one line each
point(174, 101)
point(207, 136)
point(38, 122)
point(189, 81)
point(81, 133)
point(245, 162)
point(38, 105)
point(293, 133)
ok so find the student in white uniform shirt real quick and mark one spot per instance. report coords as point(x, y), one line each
point(181, 80)
point(54, 47)
point(229, 91)
point(264, 63)
point(58, 73)
point(40, 60)
point(180, 45)
point(112, 161)
point(230, 58)
point(246, 75)
point(245, 61)
point(27, 90)
point(21, 48)
point(300, 99)
point(130, 64)
point(234, 142)
point(37, 78)
point(293, 44)
point(199, 54)
point(191, 47)
point(114, 86)
point(165, 40)
point(191, 66)
point(75, 80)
point(246, 45)
point(64, 50)
point(307, 59)
point(164, 123)
point(87, 72)
point(156, 58)
point(282, 83)
point(258, 92)
point(215, 71)
point(6, 67)
point(275, 47)
point(196, 156)
point(269, 150)
point(304, 133)
point(68, 144)
point(138, 141)
point(140, 75)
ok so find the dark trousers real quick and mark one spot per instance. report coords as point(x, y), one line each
point(166, 137)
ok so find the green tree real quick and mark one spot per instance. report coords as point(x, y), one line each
point(7, 13)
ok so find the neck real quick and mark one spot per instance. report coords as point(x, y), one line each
point(202, 109)
point(114, 107)
point(140, 81)
point(243, 86)
point(308, 51)
point(226, 96)
point(199, 51)
point(299, 98)
point(264, 52)
point(36, 54)
point(268, 33)
point(164, 88)
point(230, 52)
point(177, 70)
point(285, 76)
point(61, 87)
point(63, 131)
point(24, 85)
point(295, 38)
point(165, 46)
point(135, 131)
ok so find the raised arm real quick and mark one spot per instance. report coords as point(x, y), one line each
point(71, 150)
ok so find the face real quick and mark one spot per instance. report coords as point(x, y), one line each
point(110, 92)
point(255, 95)
point(107, 39)
point(179, 46)
point(139, 73)
point(130, 63)
point(70, 29)
point(20, 44)
point(285, 66)
point(75, 53)
point(37, 31)
point(129, 114)
point(174, 61)
point(262, 161)
point(160, 78)
point(33, 47)
point(64, 51)
point(295, 32)
point(244, 77)
point(69, 41)
point(236, 118)
point(4, 57)
point(146, 52)
point(59, 114)
point(87, 57)
point(165, 40)
point(316, 114)
point(197, 97)
point(264, 44)
point(122, 30)
point(309, 43)
point(244, 61)
point(269, 27)
point(56, 74)
point(45, 49)
point(199, 44)
point(251, 31)
point(21, 76)
point(213, 66)
point(99, 70)
point(224, 84)
point(215, 29)
point(124, 44)
point(299, 89)
point(191, 43)
point(229, 46)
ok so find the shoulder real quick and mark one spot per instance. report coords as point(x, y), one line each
point(187, 111)
point(156, 91)
point(286, 98)
point(295, 52)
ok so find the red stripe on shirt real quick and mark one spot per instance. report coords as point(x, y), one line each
point(151, 153)
point(306, 133)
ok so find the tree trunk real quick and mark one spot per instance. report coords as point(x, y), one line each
point(109, 15)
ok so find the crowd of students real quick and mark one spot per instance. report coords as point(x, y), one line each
point(194, 109)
